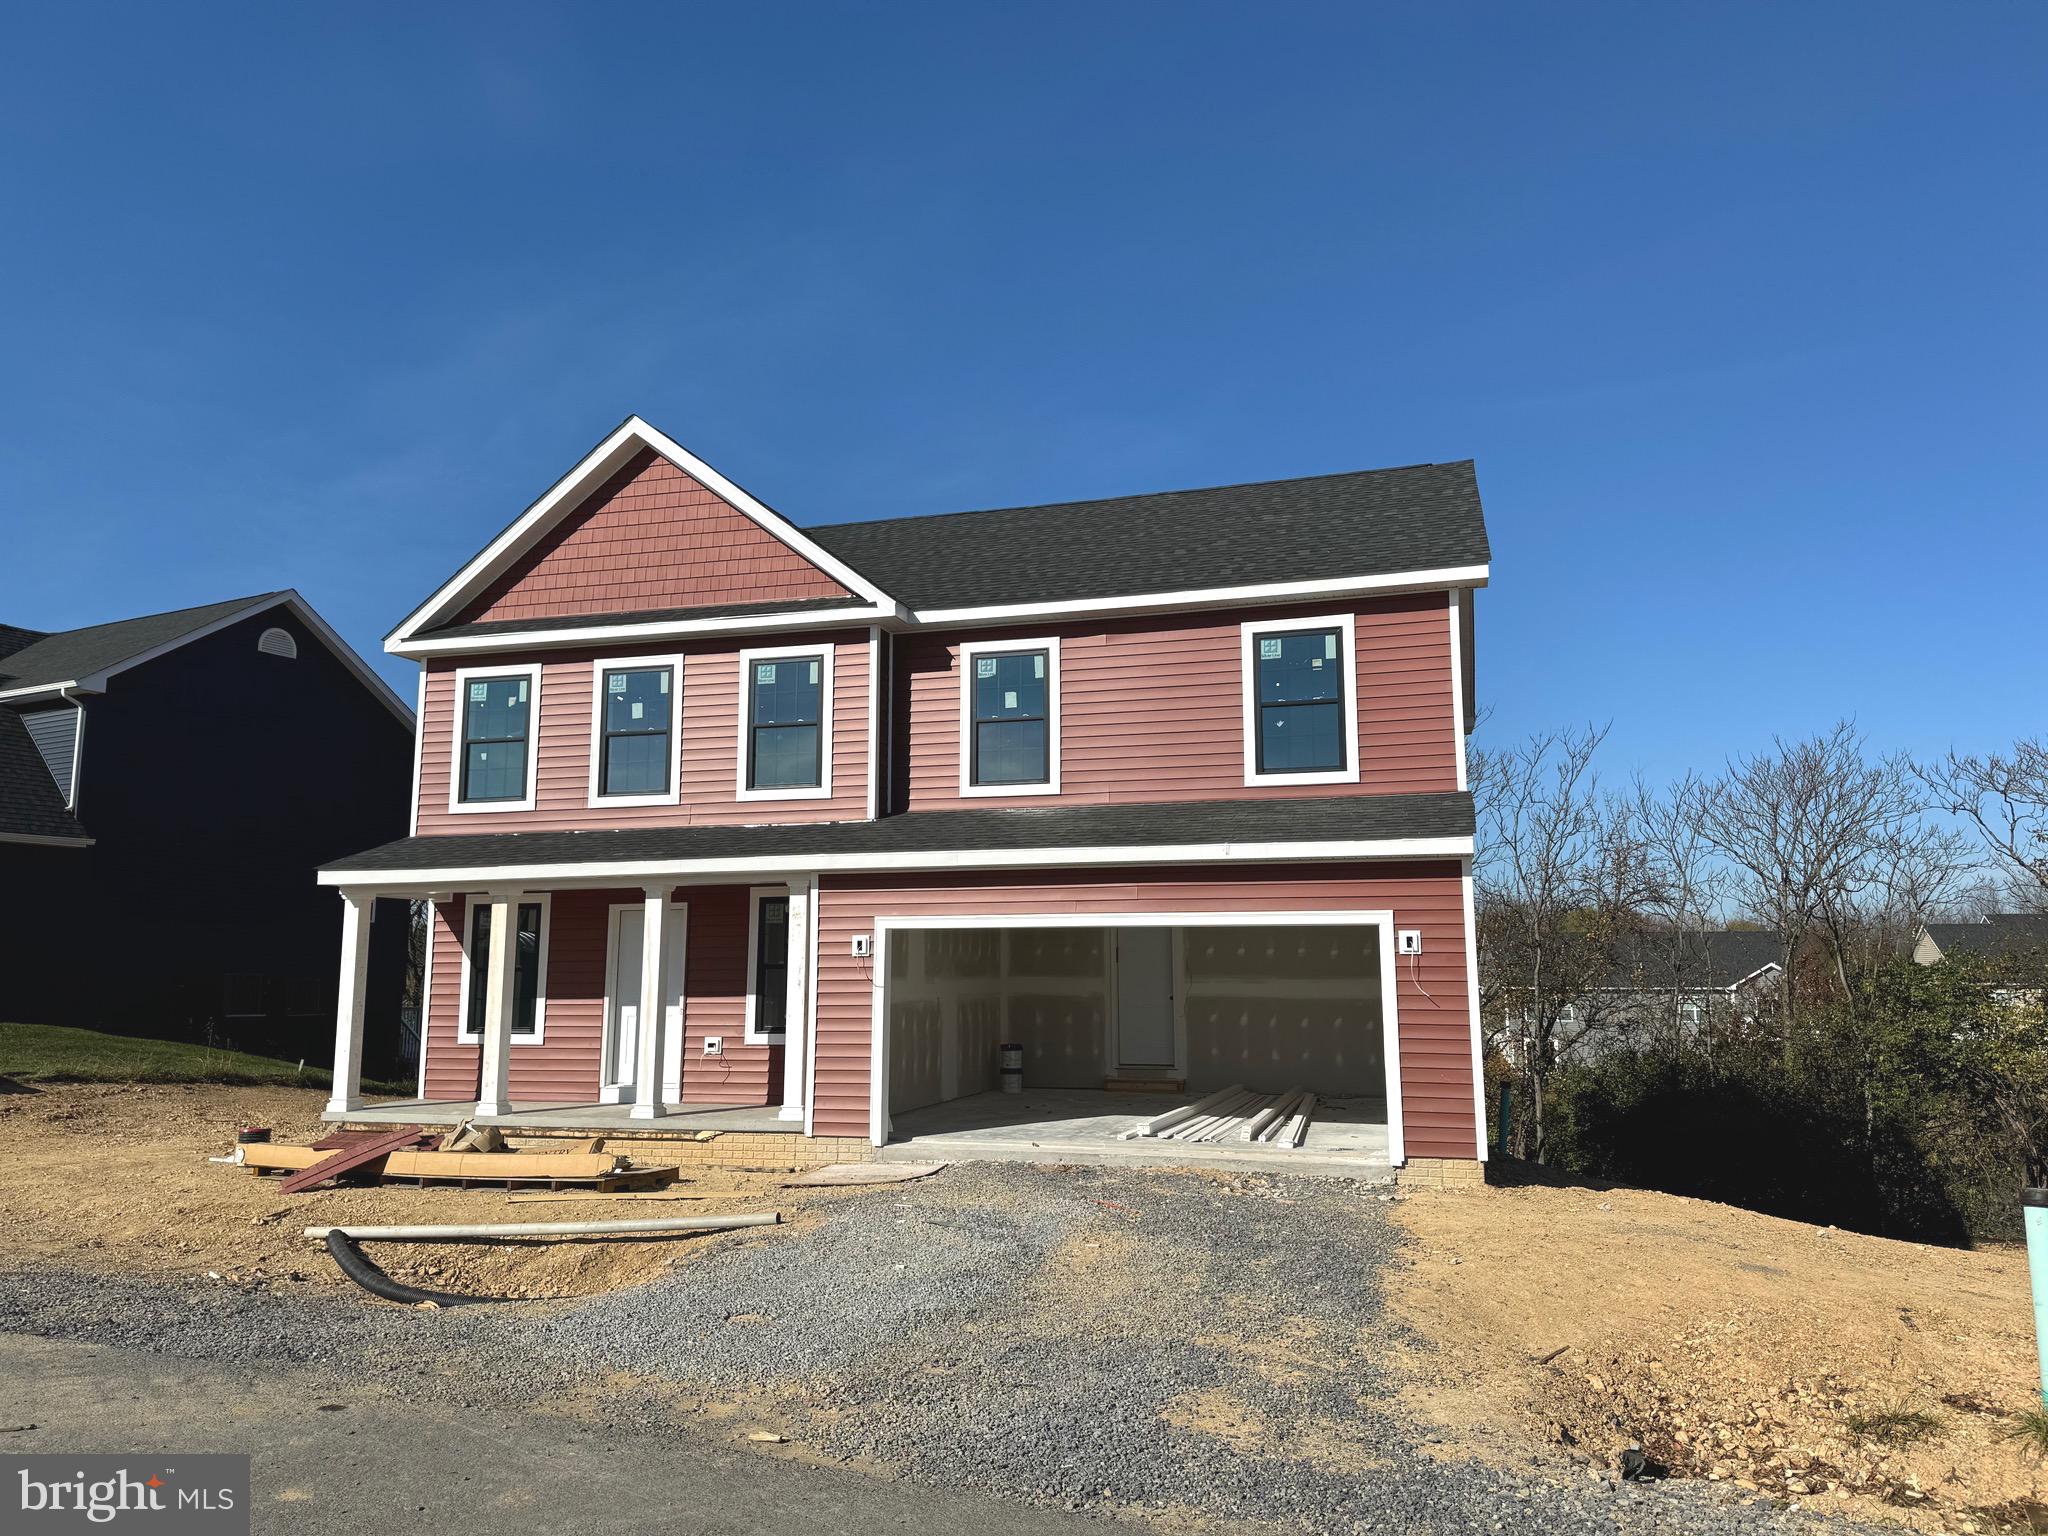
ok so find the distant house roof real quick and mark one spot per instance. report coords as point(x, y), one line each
point(1716, 959)
point(978, 834)
point(73, 655)
point(1366, 523)
point(2001, 935)
point(31, 806)
point(42, 663)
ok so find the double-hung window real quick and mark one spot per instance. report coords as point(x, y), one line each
point(786, 723)
point(768, 980)
point(528, 970)
point(1301, 716)
point(635, 731)
point(495, 713)
point(1010, 717)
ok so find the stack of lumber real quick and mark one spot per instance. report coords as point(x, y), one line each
point(603, 1170)
point(1235, 1113)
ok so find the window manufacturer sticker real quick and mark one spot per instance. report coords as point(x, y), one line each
point(1269, 650)
point(764, 672)
point(1009, 701)
point(479, 693)
point(664, 682)
point(616, 682)
point(639, 709)
point(1038, 665)
point(1330, 647)
point(814, 671)
point(985, 666)
point(522, 690)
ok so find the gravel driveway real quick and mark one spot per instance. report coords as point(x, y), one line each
point(1109, 1340)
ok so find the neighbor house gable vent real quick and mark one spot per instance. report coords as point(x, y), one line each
point(55, 734)
point(277, 642)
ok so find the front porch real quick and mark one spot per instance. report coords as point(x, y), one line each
point(568, 1119)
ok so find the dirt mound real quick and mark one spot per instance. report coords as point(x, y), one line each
point(1878, 1378)
point(95, 1176)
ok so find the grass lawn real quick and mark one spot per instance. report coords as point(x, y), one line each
point(47, 1053)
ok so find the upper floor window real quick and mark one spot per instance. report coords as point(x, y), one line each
point(529, 970)
point(1301, 720)
point(1010, 717)
point(634, 731)
point(495, 763)
point(786, 725)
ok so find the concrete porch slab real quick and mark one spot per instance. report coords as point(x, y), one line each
point(566, 1119)
point(1080, 1125)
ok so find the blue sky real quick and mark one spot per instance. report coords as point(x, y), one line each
point(1739, 308)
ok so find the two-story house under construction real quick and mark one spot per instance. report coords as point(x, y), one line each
point(735, 824)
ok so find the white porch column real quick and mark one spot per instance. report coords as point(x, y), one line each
point(796, 1047)
point(346, 1096)
point(649, 1067)
point(501, 987)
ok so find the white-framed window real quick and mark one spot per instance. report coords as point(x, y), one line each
point(785, 746)
point(1689, 1015)
point(1300, 701)
point(497, 722)
point(767, 965)
point(1010, 717)
point(636, 730)
point(529, 972)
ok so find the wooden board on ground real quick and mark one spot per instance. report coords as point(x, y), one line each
point(604, 1170)
point(568, 1196)
point(835, 1175)
point(342, 1159)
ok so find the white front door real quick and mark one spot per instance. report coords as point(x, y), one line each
point(1144, 999)
point(622, 1013)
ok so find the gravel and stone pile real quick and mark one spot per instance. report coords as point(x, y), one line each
point(1100, 1339)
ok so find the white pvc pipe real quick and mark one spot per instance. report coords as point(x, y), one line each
point(1193, 1130)
point(546, 1228)
point(1279, 1109)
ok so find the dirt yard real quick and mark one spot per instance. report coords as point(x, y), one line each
point(1849, 1373)
point(97, 1176)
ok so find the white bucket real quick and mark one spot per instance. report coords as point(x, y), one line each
point(1011, 1058)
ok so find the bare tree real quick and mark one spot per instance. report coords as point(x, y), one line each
point(2006, 799)
point(1687, 888)
point(1560, 879)
point(1820, 839)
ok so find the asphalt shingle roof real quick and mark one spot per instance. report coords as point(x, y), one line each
point(1368, 523)
point(2004, 934)
point(1715, 959)
point(1306, 821)
point(71, 654)
point(31, 805)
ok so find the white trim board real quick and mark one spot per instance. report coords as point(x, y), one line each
point(598, 668)
point(968, 653)
point(458, 747)
point(562, 638)
point(609, 1092)
point(1212, 597)
point(635, 871)
point(628, 439)
point(1456, 604)
point(470, 902)
point(822, 790)
point(34, 840)
point(1382, 918)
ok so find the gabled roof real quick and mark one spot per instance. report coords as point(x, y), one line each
point(70, 656)
point(1368, 531)
point(84, 659)
point(2001, 935)
point(31, 805)
point(1410, 825)
point(1375, 522)
point(630, 438)
point(1717, 959)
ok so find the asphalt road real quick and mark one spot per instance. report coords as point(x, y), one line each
point(369, 1466)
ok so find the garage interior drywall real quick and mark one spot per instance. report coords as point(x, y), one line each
point(1270, 1007)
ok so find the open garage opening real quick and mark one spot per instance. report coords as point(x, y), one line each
point(1119, 1022)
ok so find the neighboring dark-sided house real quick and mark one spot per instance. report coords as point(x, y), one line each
point(168, 786)
point(1668, 985)
point(2001, 936)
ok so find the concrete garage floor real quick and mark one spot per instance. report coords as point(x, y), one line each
point(1079, 1125)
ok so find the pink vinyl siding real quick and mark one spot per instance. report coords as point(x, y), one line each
point(711, 743)
point(1435, 1021)
point(1153, 708)
point(650, 538)
point(565, 1066)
